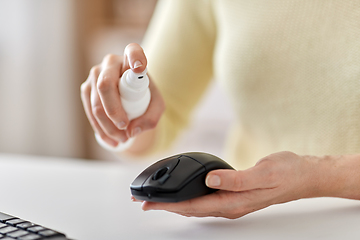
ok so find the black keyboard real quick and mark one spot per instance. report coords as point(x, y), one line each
point(15, 228)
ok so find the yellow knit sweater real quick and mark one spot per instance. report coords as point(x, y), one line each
point(291, 69)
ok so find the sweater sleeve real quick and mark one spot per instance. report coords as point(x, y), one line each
point(179, 45)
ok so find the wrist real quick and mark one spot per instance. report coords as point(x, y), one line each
point(335, 176)
point(142, 143)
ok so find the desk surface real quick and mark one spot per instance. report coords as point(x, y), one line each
point(91, 201)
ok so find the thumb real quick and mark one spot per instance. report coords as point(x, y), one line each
point(232, 180)
point(134, 58)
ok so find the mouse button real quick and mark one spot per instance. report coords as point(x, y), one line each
point(144, 175)
point(186, 170)
point(172, 164)
point(203, 158)
point(212, 165)
point(209, 161)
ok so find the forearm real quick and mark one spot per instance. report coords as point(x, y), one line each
point(336, 176)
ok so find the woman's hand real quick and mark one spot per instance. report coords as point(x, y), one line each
point(101, 99)
point(277, 178)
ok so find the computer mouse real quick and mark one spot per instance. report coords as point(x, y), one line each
point(176, 178)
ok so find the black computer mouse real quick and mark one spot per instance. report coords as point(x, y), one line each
point(177, 178)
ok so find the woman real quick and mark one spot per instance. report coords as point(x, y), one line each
point(292, 72)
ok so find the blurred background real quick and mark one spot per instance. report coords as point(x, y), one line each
point(46, 51)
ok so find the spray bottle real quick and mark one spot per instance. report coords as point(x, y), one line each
point(135, 99)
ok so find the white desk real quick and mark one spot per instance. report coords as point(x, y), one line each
point(91, 201)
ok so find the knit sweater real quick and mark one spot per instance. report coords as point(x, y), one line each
point(290, 68)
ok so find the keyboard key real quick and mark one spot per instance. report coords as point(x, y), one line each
point(7, 238)
point(25, 225)
point(17, 233)
point(50, 233)
point(7, 229)
point(30, 237)
point(36, 229)
point(47, 233)
point(2, 225)
point(4, 217)
point(15, 221)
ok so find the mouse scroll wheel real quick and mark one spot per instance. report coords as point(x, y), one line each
point(159, 173)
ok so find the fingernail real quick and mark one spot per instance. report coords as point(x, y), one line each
point(137, 64)
point(135, 131)
point(121, 125)
point(213, 181)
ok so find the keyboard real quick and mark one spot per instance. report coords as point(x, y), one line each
point(15, 228)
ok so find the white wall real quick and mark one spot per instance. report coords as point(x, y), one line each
point(39, 91)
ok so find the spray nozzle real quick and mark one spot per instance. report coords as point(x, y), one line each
point(137, 80)
point(134, 75)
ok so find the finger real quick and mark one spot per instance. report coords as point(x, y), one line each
point(200, 205)
point(108, 90)
point(211, 214)
point(133, 199)
point(134, 58)
point(86, 100)
point(253, 178)
point(151, 117)
point(105, 128)
point(220, 204)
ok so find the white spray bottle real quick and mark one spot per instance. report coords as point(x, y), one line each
point(135, 99)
